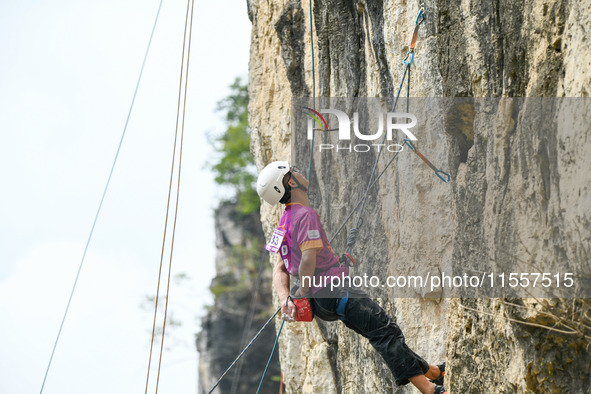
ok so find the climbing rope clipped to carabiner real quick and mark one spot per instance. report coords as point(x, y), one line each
point(444, 176)
point(413, 41)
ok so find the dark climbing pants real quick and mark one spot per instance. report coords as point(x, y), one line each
point(367, 318)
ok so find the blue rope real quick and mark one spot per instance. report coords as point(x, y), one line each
point(353, 232)
point(313, 92)
point(103, 196)
point(244, 350)
point(371, 182)
point(360, 201)
point(271, 356)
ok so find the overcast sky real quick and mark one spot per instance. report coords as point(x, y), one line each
point(67, 73)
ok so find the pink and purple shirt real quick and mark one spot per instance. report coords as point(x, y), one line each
point(302, 230)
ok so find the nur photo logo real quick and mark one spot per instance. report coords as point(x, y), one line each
point(386, 123)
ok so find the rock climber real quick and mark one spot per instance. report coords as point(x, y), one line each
point(303, 251)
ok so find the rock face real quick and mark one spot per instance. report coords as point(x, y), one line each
point(236, 315)
point(519, 194)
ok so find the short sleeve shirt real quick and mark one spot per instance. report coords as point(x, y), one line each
point(304, 231)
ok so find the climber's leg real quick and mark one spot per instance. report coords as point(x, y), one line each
point(434, 373)
point(370, 320)
point(422, 384)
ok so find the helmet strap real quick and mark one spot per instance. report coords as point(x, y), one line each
point(286, 196)
point(300, 186)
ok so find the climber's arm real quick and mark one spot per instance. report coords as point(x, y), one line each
point(281, 283)
point(307, 268)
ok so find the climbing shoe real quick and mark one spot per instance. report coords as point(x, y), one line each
point(440, 390)
point(439, 379)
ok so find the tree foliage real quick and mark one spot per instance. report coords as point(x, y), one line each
point(234, 166)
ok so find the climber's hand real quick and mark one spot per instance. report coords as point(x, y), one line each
point(288, 309)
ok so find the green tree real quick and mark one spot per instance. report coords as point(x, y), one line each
point(234, 165)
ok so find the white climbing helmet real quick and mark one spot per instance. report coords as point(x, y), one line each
point(270, 182)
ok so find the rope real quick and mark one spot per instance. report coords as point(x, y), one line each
point(408, 91)
point(444, 176)
point(353, 232)
point(360, 201)
point(313, 91)
point(168, 199)
point(103, 196)
point(248, 322)
point(236, 376)
point(270, 357)
point(371, 183)
point(244, 350)
point(177, 195)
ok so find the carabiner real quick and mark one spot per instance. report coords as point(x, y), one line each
point(412, 57)
point(420, 16)
point(410, 144)
point(447, 176)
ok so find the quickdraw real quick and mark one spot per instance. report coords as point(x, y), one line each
point(413, 41)
point(440, 173)
point(444, 176)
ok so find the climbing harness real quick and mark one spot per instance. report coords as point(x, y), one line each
point(341, 306)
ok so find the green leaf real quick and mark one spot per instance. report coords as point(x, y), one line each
point(234, 165)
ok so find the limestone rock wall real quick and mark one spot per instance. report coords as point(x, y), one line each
point(516, 190)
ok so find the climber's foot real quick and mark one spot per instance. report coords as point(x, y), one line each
point(439, 390)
